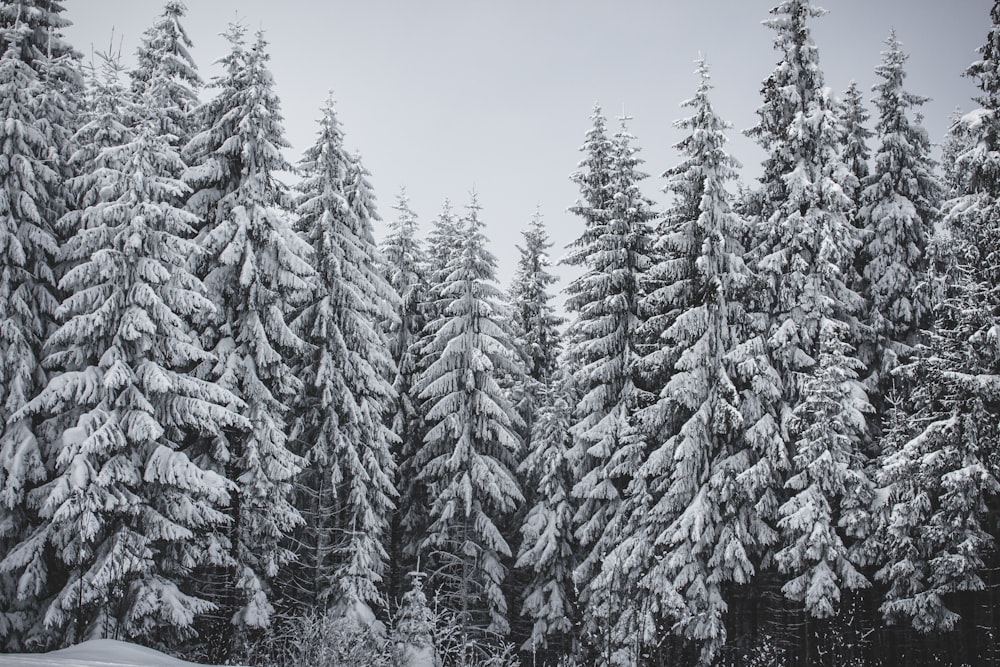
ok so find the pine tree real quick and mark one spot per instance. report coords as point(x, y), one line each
point(899, 211)
point(548, 549)
point(856, 153)
point(28, 301)
point(444, 243)
point(535, 321)
point(347, 491)
point(255, 270)
point(827, 516)
point(413, 634)
point(165, 77)
point(406, 267)
point(127, 512)
point(604, 343)
point(56, 101)
point(702, 541)
point(804, 244)
point(940, 471)
point(467, 460)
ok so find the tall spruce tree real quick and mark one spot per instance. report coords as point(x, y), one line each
point(165, 77)
point(702, 542)
point(940, 470)
point(467, 461)
point(604, 339)
point(255, 269)
point(900, 206)
point(803, 256)
point(28, 301)
point(406, 267)
point(857, 153)
point(548, 548)
point(127, 513)
point(346, 494)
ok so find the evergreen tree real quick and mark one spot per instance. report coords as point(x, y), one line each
point(804, 244)
point(534, 315)
point(127, 513)
point(827, 516)
point(940, 470)
point(604, 344)
point(255, 270)
point(413, 635)
point(702, 541)
point(347, 491)
point(900, 207)
point(56, 64)
point(406, 268)
point(444, 243)
point(28, 301)
point(856, 153)
point(535, 320)
point(548, 549)
point(467, 461)
point(165, 77)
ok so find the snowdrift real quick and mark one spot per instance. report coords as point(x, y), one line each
point(95, 653)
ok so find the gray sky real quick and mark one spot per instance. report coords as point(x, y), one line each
point(443, 96)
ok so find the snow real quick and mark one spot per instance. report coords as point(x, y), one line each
point(96, 653)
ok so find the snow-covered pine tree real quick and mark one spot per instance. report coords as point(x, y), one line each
point(406, 268)
point(899, 208)
point(535, 321)
point(127, 513)
point(802, 254)
point(255, 269)
point(940, 471)
point(548, 549)
point(28, 301)
point(827, 517)
point(467, 461)
point(535, 318)
point(165, 77)
point(702, 541)
point(856, 153)
point(444, 241)
point(60, 88)
point(346, 493)
point(413, 634)
point(604, 345)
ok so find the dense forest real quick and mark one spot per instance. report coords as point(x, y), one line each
point(765, 429)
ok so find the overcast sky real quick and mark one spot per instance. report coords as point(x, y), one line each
point(443, 96)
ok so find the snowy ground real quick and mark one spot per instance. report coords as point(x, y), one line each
point(95, 653)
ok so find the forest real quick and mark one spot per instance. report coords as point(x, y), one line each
point(236, 427)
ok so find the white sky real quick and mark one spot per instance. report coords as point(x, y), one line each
point(443, 96)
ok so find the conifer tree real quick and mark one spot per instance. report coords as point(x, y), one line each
point(346, 494)
point(467, 461)
point(534, 319)
point(827, 516)
point(127, 513)
point(857, 153)
point(804, 244)
point(604, 344)
point(406, 267)
point(255, 269)
point(56, 101)
point(413, 634)
point(900, 205)
point(695, 427)
point(548, 548)
point(28, 301)
point(940, 471)
point(165, 77)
